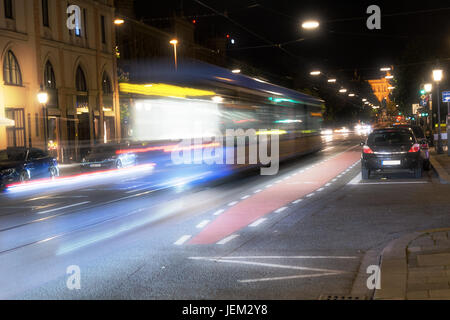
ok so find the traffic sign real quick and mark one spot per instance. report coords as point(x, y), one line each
point(446, 96)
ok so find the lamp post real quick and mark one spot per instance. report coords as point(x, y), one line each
point(174, 42)
point(437, 77)
point(42, 97)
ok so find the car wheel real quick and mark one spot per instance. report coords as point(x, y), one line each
point(418, 172)
point(24, 176)
point(53, 172)
point(365, 173)
point(119, 164)
point(427, 165)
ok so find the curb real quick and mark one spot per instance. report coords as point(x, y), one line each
point(394, 266)
point(444, 177)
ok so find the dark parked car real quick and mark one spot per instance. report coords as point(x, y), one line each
point(392, 149)
point(106, 157)
point(423, 141)
point(19, 164)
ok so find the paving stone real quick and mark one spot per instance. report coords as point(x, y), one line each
point(440, 293)
point(437, 271)
point(423, 241)
point(438, 279)
point(442, 245)
point(434, 259)
point(427, 286)
point(414, 249)
point(439, 236)
point(419, 294)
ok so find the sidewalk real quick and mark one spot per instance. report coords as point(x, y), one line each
point(441, 164)
point(416, 267)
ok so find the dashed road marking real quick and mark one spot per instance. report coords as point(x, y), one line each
point(310, 195)
point(297, 201)
point(232, 203)
point(257, 222)
point(202, 224)
point(280, 209)
point(245, 197)
point(320, 189)
point(227, 239)
point(256, 191)
point(182, 240)
point(218, 212)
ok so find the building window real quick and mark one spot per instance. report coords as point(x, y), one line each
point(8, 9)
point(106, 84)
point(80, 80)
point(45, 20)
point(11, 70)
point(103, 27)
point(49, 76)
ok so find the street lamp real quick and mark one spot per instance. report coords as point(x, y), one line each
point(310, 24)
point(428, 87)
point(343, 90)
point(174, 42)
point(437, 77)
point(332, 80)
point(119, 21)
point(42, 97)
point(385, 69)
point(236, 70)
point(315, 73)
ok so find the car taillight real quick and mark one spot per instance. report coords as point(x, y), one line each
point(366, 149)
point(415, 148)
point(424, 146)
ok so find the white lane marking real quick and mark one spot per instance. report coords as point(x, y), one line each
point(310, 195)
point(297, 201)
point(259, 190)
point(218, 212)
point(329, 148)
point(315, 275)
point(269, 185)
point(320, 189)
point(273, 257)
point(395, 182)
point(182, 240)
point(245, 197)
point(334, 180)
point(257, 222)
point(202, 224)
point(232, 203)
point(65, 207)
point(280, 209)
point(278, 181)
point(328, 184)
point(229, 238)
point(356, 180)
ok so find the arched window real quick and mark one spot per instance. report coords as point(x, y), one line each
point(11, 70)
point(106, 84)
point(80, 80)
point(49, 76)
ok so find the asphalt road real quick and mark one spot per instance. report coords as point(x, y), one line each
point(308, 232)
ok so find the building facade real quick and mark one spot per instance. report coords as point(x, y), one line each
point(76, 68)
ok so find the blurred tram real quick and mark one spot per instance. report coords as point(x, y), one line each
point(200, 101)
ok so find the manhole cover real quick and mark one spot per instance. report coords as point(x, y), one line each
point(340, 297)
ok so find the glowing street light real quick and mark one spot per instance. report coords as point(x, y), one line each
point(236, 70)
point(119, 21)
point(364, 99)
point(391, 88)
point(385, 69)
point(437, 77)
point(42, 97)
point(174, 42)
point(310, 24)
point(351, 94)
point(217, 99)
point(389, 77)
point(428, 87)
point(315, 73)
point(332, 80)
point(343, 90)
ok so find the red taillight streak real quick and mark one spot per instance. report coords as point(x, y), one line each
point(366, 149)
point(415, 148)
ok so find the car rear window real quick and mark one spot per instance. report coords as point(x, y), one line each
point(386, 138)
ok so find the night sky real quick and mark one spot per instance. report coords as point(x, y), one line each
point(342, 44)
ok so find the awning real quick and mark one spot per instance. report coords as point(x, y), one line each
point(6, 122)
